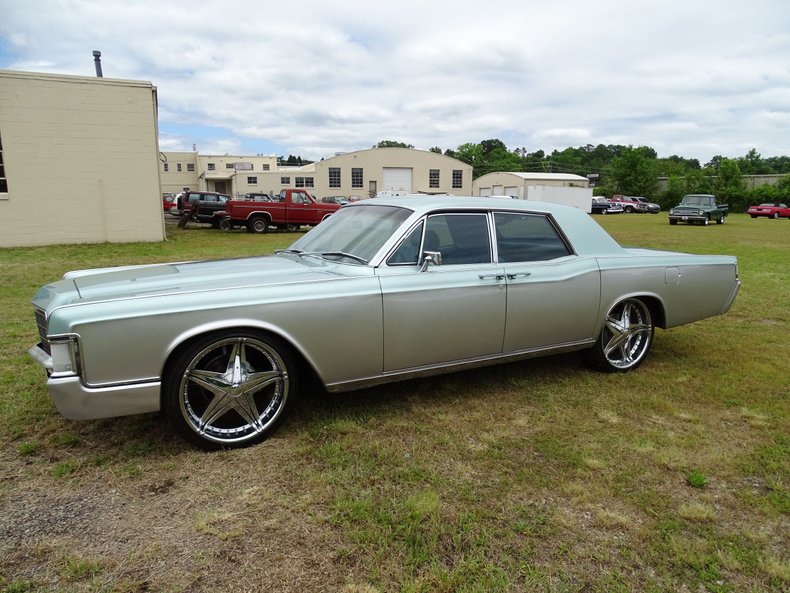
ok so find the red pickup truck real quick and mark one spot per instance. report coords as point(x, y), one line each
point(289, 210)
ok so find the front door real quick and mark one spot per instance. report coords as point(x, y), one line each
point(450, 312)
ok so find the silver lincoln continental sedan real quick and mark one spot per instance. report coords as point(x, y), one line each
point(385, 289)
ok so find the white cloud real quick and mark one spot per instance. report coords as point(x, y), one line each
point(688, 78)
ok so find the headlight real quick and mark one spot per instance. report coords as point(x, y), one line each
point(64, 357)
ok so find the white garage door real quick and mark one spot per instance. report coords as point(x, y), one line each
point(497, 190)
point(485, 192)
point(397, 180)
point(511, 190)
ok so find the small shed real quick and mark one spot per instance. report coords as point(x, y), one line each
point(562, 188)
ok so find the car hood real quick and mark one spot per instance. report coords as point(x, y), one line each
point(168, 279)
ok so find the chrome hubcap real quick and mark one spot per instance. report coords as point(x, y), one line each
point(233, 389)
point(627, 334)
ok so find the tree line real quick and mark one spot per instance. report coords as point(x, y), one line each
point(633, 171)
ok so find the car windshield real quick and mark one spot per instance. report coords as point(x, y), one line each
point(358, 232)
point(696, 200)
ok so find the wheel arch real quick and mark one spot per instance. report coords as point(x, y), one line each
point(259, 213)
point(188, 338)
point(654, 303)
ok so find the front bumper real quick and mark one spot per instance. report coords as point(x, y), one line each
point(80, 402)
point(688, 217)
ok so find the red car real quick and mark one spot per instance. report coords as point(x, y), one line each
point(769, 210)
point(167, 201)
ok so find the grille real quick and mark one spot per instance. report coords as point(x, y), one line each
point(41, 322)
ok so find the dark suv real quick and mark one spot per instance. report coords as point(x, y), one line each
point(207, 203)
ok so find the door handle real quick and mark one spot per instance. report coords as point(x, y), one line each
point(519, 275)
point(491, 276)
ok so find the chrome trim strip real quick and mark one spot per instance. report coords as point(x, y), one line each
point(445, 368)
point(731, 299)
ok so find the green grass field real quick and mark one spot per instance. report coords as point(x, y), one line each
point(535, 476)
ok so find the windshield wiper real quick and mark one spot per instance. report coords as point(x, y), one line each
point(344, 254)
point(326, 254)
point(294, 251)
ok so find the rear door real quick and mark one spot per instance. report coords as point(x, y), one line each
point(553, 295)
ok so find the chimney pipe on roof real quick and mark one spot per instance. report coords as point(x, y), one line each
point(97, 62)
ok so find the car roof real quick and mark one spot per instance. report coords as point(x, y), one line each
point(585, 234)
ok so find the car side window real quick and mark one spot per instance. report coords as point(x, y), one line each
point(461, 238)
point(408, 252)
point(527, 237)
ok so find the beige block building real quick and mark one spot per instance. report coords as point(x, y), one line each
point(364, 173)
point(78, 162)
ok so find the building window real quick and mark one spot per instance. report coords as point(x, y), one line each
point(228, 165)
point(3, 179)
point(304, 181)
point(265, 166)
point(252, 181)
point(433, 178)
point(356, 177)
point(212, 167)
point(458, 178)
point(285, 181)
point(178, 167)
point(167, 167)
point(191, 167)
point(334, 177)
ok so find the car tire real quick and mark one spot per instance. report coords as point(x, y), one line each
point(720, 219)
point(706, 222)
point(225, 225)
point(672, 221)
point(258, 225)
point(230, 389)
point(775, 216)
point(625, 338)
point(628, 209)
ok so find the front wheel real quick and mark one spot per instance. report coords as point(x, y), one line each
point(672, 221)
point(230, 389)
point(625, 339)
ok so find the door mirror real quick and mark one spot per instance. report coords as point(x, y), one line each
point(431, 258)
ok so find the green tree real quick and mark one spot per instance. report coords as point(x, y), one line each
point(470, 153)
point(436, 149)
point(729, 183)
point(634, 172)
point(393, 144)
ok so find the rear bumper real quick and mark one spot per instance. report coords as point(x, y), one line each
point(79, 402)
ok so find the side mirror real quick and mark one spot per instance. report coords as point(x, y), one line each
point(431, 257)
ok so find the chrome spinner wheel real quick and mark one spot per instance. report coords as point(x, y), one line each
point(625, 339)
point(230, 389)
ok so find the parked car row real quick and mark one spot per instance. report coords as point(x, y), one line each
point(629, 204)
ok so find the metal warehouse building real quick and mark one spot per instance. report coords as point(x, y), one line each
point(364, 173)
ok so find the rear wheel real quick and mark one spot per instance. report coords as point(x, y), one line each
point(224, 224)
point(776, 215)
point(625, 339)
point(230, 389)
point(720, 219)
point(258, 225)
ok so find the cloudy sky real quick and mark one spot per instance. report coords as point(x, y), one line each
point(696, 78)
